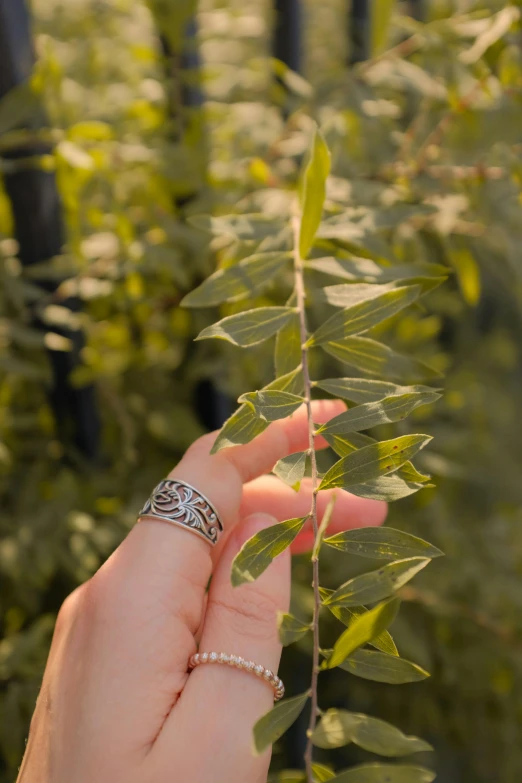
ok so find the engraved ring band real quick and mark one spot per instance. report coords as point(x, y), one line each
point(181, 504)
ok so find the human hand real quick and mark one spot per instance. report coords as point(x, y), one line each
point(117, 704)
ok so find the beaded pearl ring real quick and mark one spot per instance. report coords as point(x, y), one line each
point(241, 663)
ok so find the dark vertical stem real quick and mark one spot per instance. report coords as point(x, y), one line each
point(359, 30)
point(39, 230)
point(287, 43)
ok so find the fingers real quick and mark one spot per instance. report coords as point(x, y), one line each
point(220, 703)
point(147, 600)
point(268, 494)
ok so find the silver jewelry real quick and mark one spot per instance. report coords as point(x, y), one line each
point(181, 504)
point(241, 663)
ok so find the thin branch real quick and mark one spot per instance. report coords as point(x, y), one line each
point(301, 304)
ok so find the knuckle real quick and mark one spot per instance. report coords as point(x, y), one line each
point(248, 613)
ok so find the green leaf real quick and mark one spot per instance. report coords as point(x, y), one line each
point(371, 414)
point(381, 667)
point(313, 194)
point(340, 727)
point(322, 773)
point(325, 521)
point(385, 773)
point(373, 358)
point(256, 226)
point(366, 270)
point(348, 614)
point(290, 628)
point(360, 390)
point(288, 346)
point(372, 461)
point(376, 585)
point(349, 294)
point(273, 725)
point(257, 553)
point(250, 327)
point(291, 469)
point(403, 483)
point(287, 776)
point(380, 14)
point(272, 404)
point(382, 542)
point(364, 315)
point(243, 426)
point(235, 282)
point(362, 630)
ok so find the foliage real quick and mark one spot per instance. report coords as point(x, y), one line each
point(425, 178)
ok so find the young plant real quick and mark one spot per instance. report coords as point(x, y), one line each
point(365, 467)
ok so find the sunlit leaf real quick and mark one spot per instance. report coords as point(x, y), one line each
point(340, 727)
point(364, 315)
point(382, 667)
point(235, 282)
point(17, 106)
point(273, 725)
point(244, 425)
point(322, 773)
point(288, 346)
point(373, 461)
point(348, 294)
point(364, 628)
point(468, 274)
point(348, 614)
point(385, 773)
point(271, 404)
point(376, 585)
point(366, 270)
point(383, 543)
point(291, 469)
point(313, 193)
point(247, 227)
point(250, 327)
point(290, 628)
point(360, 390)
point(371, 414)
point(257, 553)
point(373, 358)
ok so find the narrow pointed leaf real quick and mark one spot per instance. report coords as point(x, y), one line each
point(382, 543)
point(373, 358)
point(376, 585)
point(322, 773)
point(288, 346)
point(291, 469)
point(366, 270)
point(325, 521)
point(365, 315)
point(349, 614)
point(271, 405)
point(381, 667)
point(360, 390)
point(313, 194)
point(385, 773)
point(340, 727)
point(233, 283)
point(373, 461)
point(257, 553)
point(290, 628)
point(371, 414)
point(349, 294)
point(250, 327)
point(243, 426)
point(273, 725)
point(363, 630)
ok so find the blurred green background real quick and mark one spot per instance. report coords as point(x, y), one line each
point(138, 141)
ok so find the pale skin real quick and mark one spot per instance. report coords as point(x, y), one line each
point(117, 704)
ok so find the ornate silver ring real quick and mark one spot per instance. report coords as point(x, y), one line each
point(181, 504)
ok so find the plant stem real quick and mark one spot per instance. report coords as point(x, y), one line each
point(301, 304)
